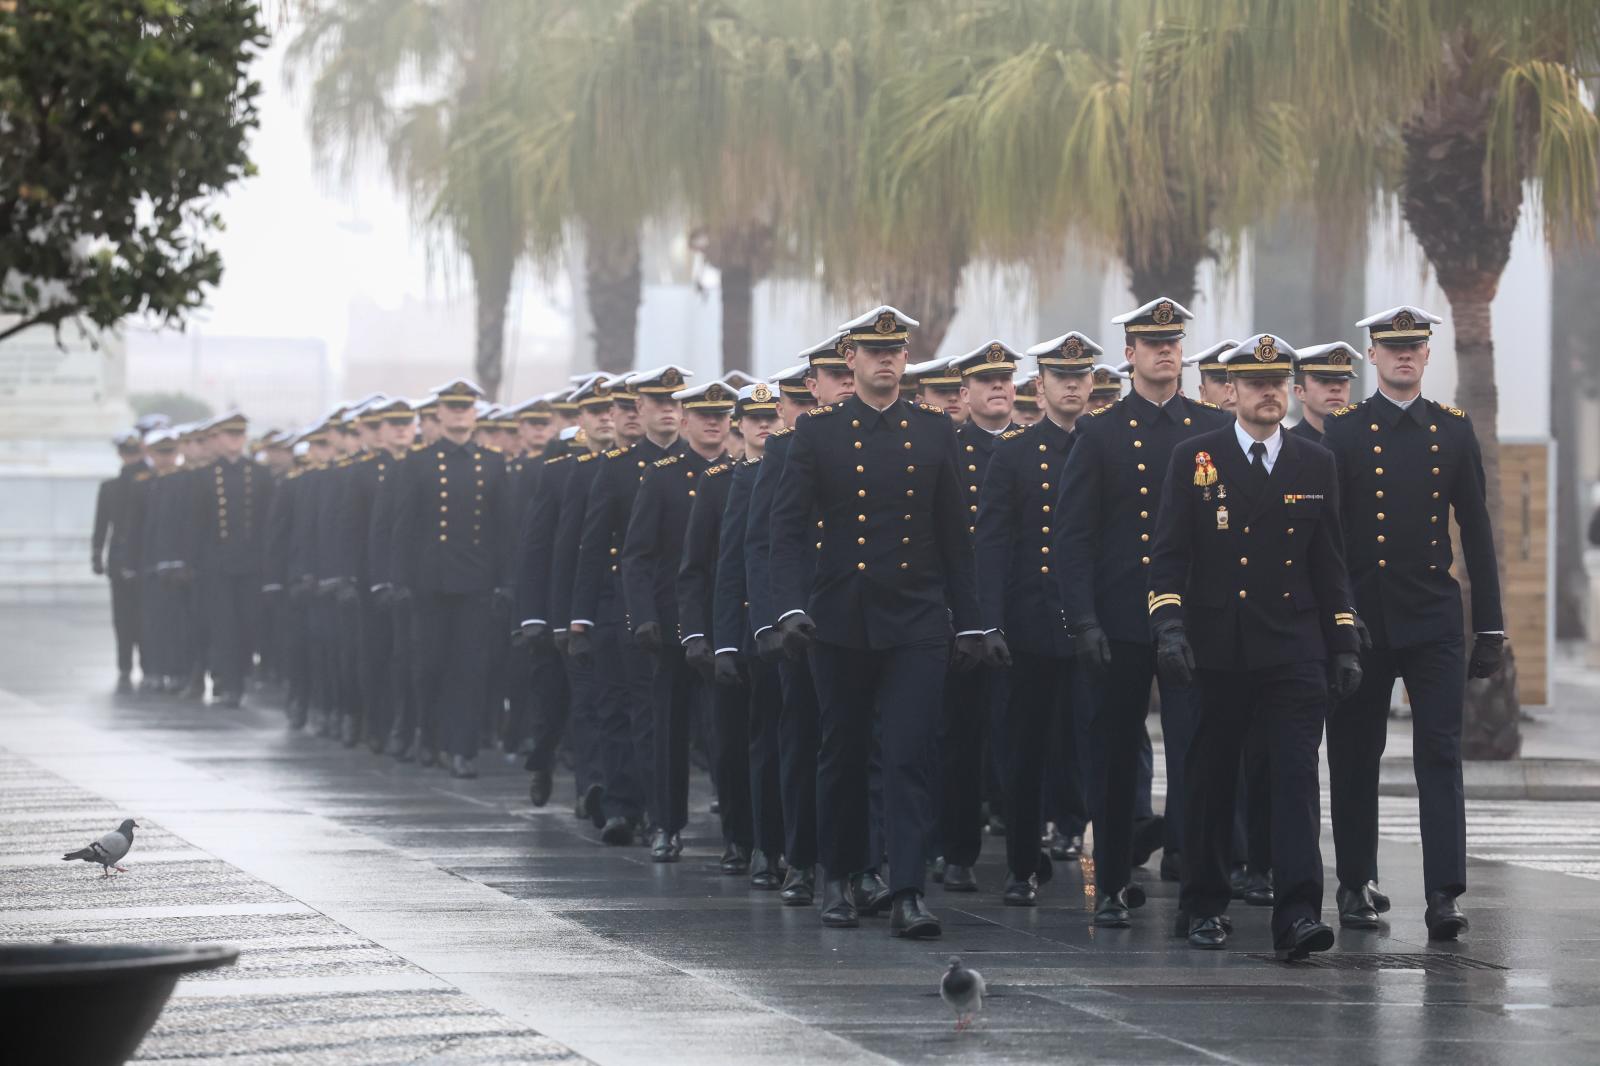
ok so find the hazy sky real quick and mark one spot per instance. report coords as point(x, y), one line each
point(300, 246)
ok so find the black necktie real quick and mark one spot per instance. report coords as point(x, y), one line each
point(1258, 464)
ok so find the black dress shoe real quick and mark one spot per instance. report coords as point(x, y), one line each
point(910, 919)
point(1133, 895)
point(1182, 921)
point(1111, 912)
point(463, 766)
point(617, 831)
point(594, 804)
point(1073, 849)
point(1171, 866)
point(1147, 833)
point(997, 828)
point(580, 807)
point(1020, 892)
point(763, 872)
point(540, 787)
point(1355, 908)
point(716, 805)
point(936, 870)
point(1236, 879)
point(735, 860)
point(958, 878)
point(869, 894)
point(1444, 916)
point(1380, 901)
point(1258, 890)
point(426, 756)
point(1303, 937)
point(1207, 934)
point(661, 849)
point(799, 887)
point(838, 905)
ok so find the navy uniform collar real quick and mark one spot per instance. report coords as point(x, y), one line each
point(1054, 435)
point(1390, 413)
point(448, 444)
point(870, 416)
point(1140, 407)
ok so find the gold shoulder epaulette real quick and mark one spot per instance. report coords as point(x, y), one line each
point(558, 458)
point(1208, 403)
point(779, 432)
point(614, 452)
point(1101, 410)
point(342, 463)
point(1341, 412)
point(928, 407)
point(1012, 433)
point(587, 456)
point(720, 468)
point(490, 448)
point(142, 475)
point(825, 409)
point(1458, 412)
point(417, 447)
point(668, 461)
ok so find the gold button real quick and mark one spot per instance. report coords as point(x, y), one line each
point(1288, 562)
point(861, 470)
point(819, 545)
point(1379, 471)
point(691, 492)
point(1045, 508)
point(1433, 518)
point(861, 518)
point(442, 536)
point(1143, 491)
point(861, 492)
point(1041, 447)
point(861, 540)
point(1247, 529)
point(477, 469)
point(1432, 567)
point(1242, 594)
point(1144, 536)
point(905, 517)
point(861, 566)
point(444, 523)
point(970, 488)
point(906, 446)
point(1141, 468)
point(911, 470)
point(1377, 449)
point(1380, 538)
point(1433, 429)
point(1144, 514)
point(973, 508)
point(1044, 529)
point(1380, 516)
point(1433, 447)
point(1291, 530)
point(1044, 569)
point(855, 423)
point(1433, 544)
point(1145, 560)
point(1436, 495)
point(1380, 494)
point(442, 468)
point(1374, 427)
point(641, 464)
point(1435, 471)
point(1044, 551)
point(613, 551)
point(1244, 560)
point(1383, 562)
point(1138, 444)
point(973, 470)
point(690, 473)
point(1134, 422)
point(1045, 485)
point(905, 566)
point(1044, 466)
point(903, 425)
point(969, 447)
point(1188, 421)
point(819, 524)
point(858, 445)
point(913, 492)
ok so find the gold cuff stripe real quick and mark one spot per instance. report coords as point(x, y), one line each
point(1171, 599)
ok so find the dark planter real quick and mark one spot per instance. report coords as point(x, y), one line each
point(90, 1004)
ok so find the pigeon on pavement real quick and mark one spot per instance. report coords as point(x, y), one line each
point(109, 849)
point(963, 989)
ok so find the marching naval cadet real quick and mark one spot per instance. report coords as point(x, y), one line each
point(732, 714)
point(1214, 386)
point(828, 379)
point(1019, 599)
point(233, 496)
point(567, 691)
point(736, 668)
point(292, 565)
point(894, 569)
point(338, 613)
point(1267, 640)
point(404, 741)
point(618, 811)
point(652, 553)
point(939, 385)
point(1108, 503)
point(973, 698)
point(1322, 377)
point(111, 547)
point(1026, 411)
point(162, 530)
point(447, 561)
point(1107, 386)
point(600, 629)
point(1405, 463)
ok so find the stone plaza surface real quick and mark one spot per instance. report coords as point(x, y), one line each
point(390, 914)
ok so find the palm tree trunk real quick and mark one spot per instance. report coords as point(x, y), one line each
point(614, 283)
point(927, 291)
point(738, 316)
point(492, 271)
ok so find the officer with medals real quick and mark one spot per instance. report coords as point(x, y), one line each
point(1322, 377)
point(652, 553)
point(973, 699)
point(233, 497)
point(1248, 595)
point(736, 668)
point(826, 378)
point(1019, 598)
point(1108, 504)
point(1405, 463)
point(448, 562)
point(1214, 387)
point(875, 619)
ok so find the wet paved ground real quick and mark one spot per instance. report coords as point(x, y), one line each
point(387, 913)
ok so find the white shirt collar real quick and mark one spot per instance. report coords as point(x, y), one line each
point(1402, 404)
point(1274, 444)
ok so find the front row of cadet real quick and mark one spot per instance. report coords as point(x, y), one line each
point(889, 607)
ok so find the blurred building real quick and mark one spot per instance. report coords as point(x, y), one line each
point(279, 381)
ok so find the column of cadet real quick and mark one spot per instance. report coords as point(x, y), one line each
point(893, 611)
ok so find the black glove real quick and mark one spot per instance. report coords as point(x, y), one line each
point(1344, 674)
point(383, 594)
point(1363, 635)
point(725, 669)
point(1488, 655)
point(1092, 646)
point(400, 595)
point(500, 598)
point(648, 636)
point(967, 653)
point(98, 567)
point(697, 653)
point(561, 638)
point(535, 634)
point(795, 633)
point(768, 645)
point(580, 648)
point(995, 652)
point(1174, 657)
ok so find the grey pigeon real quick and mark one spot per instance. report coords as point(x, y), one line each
point(963, 989)
point(109, 849)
